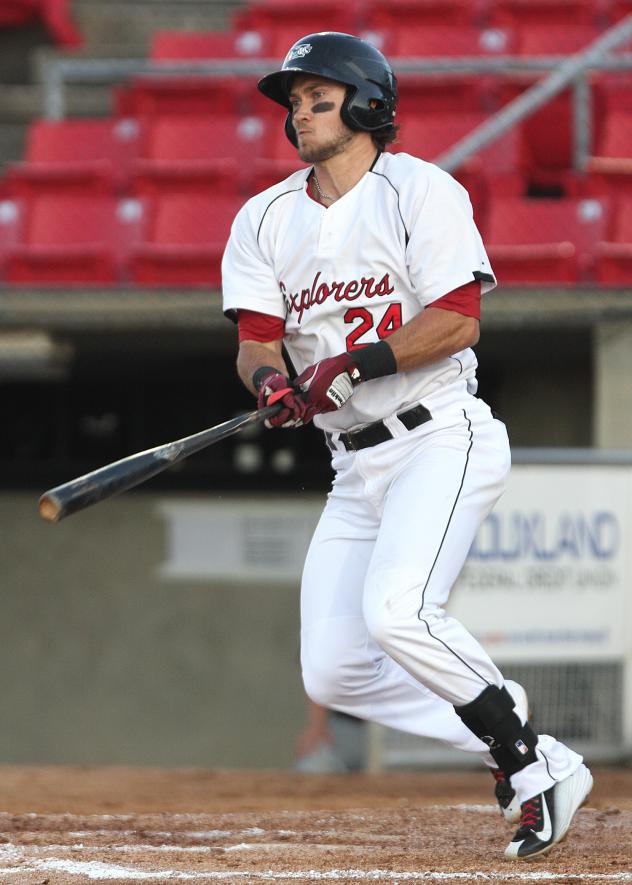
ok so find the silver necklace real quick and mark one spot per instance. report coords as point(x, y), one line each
point(320, 193)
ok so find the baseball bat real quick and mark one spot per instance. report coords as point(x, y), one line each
point(77, 494)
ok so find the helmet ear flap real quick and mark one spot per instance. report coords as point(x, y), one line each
point(345, 113)
point(290, 131)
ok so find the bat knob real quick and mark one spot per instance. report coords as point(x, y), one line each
point(49, 508)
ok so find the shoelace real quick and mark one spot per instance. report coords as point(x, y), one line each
point(531, 813)
point(503, 790)
point(498, 775)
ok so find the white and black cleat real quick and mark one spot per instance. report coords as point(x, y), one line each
point(546, 817)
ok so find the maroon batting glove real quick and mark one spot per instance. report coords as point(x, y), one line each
point(327, 385)
point(276, 388)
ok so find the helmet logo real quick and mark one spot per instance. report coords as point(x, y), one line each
point(299, 51)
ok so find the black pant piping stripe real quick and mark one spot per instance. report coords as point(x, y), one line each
point(456, 500)
point(458, 494)
point(548, 770)
point(452, 652)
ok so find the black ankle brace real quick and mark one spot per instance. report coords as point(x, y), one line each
point(492, 719)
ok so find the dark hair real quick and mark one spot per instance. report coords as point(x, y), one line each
point(382, 137)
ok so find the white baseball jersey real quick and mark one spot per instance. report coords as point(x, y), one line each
point(349, 275)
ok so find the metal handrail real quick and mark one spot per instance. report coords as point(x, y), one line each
point(59, 71)
point(572, 69)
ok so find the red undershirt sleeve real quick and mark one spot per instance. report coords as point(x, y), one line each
point(465, 300)
point(254, 326)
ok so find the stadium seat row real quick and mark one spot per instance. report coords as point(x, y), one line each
point(418, 93)
point(241, 155)
point(357, 14)
point(178, 239)
point(399, 40)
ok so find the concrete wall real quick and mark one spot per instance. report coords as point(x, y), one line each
point(613, 384)
point(104, 661)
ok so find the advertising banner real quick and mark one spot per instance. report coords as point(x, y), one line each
point(547, 577)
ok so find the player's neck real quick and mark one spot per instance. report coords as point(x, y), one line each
point(341, 173)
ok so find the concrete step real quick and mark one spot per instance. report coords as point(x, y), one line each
point(19, 104)
point(105, 22)
point(12, 139)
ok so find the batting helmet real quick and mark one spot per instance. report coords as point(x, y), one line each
point(372, 94)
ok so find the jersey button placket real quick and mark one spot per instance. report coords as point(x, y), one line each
point(327, 238)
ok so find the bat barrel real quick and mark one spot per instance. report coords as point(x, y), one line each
point(114, 478)
point(65, 499)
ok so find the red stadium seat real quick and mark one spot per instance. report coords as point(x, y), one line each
point(147, 96)
point(420, 94)
point(613, 264)
point(548, 137)
point(57, 18)
point(19, 12)
point(544, 241)
point(191, 152)
point(616, 142)
point(54, 14)
point(93, 155)
point(280, 37)
point(186, 239)
point(548, 12)
point(431, 134)
point(205, 45)
point(611, 170)
point(615, 89)
point(308, 18)
point(385, 14)
point(74, 240)
point(444, 40)
point(618, 9)
point(538, 38)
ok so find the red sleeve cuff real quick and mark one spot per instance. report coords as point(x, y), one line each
point(465, 300)
point(255, 326)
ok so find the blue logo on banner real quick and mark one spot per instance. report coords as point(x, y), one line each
point(539, 536)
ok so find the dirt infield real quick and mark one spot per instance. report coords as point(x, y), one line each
point(73, 825)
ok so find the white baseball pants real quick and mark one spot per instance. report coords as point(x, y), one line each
point(395, 533)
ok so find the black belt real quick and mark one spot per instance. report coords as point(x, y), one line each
point(378, 432)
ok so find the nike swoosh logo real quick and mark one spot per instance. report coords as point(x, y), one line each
point(547, 827)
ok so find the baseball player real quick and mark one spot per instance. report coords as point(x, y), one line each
point(360, 278)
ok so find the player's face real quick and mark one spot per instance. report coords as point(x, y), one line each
point(316, 104)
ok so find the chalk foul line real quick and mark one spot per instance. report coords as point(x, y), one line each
point(98, 871)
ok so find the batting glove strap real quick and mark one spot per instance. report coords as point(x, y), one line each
point(261, 374)
point(373, 361)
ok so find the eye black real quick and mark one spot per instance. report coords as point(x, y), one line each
point(322, 107)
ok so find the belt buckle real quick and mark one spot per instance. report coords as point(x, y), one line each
point(349, 444)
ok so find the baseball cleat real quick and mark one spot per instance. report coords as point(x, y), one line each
point(504, 792)
point(546, 817)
